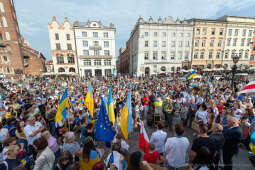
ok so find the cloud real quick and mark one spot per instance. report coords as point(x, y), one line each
point(34, 16)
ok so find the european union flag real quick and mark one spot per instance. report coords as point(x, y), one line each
point(104, 130)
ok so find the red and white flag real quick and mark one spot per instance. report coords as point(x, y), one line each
point(143, 139)
point(249, 88)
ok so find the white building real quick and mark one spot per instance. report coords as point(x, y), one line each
point(95, 48)
point(238, 40)
point(63, 49)
point(160, 46)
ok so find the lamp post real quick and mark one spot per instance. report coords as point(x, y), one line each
point(235, 59)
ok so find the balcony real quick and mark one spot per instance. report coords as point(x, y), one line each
point(95, 57)
point(95, 47)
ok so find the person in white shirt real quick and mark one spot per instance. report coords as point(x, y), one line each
point(201, 114)
point(158, 138)
point(176, 148)
point(32, 130)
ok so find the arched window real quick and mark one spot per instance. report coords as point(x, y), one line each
point(61, 70)
point(72, 69)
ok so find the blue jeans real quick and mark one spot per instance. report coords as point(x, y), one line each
point(52, 128)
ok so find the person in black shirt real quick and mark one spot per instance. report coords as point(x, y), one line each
point(12, 160)
point(202, 140)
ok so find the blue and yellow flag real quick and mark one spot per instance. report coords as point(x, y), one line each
point(63, 104)
point(111, 106)
point(88, 102)
point(129, 107)
point(191, 75)
point(104, 130)
point(25, 160)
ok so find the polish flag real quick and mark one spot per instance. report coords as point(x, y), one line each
point(143, 139)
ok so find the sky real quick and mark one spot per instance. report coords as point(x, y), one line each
point(34, 15)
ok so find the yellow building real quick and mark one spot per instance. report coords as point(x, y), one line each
point(208, 43)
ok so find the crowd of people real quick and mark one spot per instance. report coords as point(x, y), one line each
point(222, 120)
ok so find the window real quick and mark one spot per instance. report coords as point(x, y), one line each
point(146, 34)
point(95, 34)
point(186, 56)
point(210, 55)
point(196, 43)
point(87, 62)
point(8, 69)
point(163, 55)
point(4, 22)
point(70, 59)
point(240, 54)
point(69, 46)
point(181, 34)
point(164, 34)
point(86, 52)
point(234, 42)
point(221, 32)
point(96, 52)
point(228, 41)
point(204, 31)
point(250, 33)
point(85, 43)
point(180, 55)
point(1, 36)
point(198, 31)
point(97, 62)
point(230, 32)
point(146, 55)
point(248, 42)
point(202, 55)
point(155, 55)
point(172, 55)
point(211, 43)
point(106, 52)
point(213, 31)
point(180, 43)
point(56, 36)
point(195, 55)
point(60, 60)
point(84, 34)
point(246, 54)
point(218, 55)
point(242, 42)
point(244, 32)
point(146, 43)
point(203, 43)
point(7, 36)
point(163, 43)
point(1, 7)
point(226, 54)
point(5, 58)
point(96, 43)
point(155, 44)
point(236, 32)
point(106, 43)
point(68, 37)
point(187, 43)
point(106, 35)
point(188, 34)
point(219, 43)
point(107, 62)
point(58, 47)
point(155, 34)
point(173, 34)
point(173, 44)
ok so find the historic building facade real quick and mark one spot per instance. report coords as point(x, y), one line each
point(208, 43)
point(63, 47)
point(159, 46)
point(124, 59)
point(16, 56)
point(95, 45)
point(239, 35)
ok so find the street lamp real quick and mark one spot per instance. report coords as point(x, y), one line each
point(235, 59)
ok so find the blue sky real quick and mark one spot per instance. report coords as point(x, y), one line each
point(34, 15)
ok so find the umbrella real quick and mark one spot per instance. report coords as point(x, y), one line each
point(249, 88)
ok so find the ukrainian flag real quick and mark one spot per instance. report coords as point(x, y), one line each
point(191, 75)
point(88, 102)
point(63, 104)
point(25, 160)
point(110, 106)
